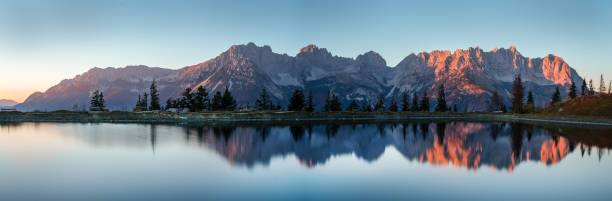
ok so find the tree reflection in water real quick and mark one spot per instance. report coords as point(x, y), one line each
point(461, 144)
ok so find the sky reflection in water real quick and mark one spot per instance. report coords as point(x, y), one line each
point(397, 161)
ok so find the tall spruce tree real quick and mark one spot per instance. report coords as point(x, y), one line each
point(572, 93)
point(217, 102)
point(352, 106)
point(441, 106)
point(93, 103)
point(405, 102)
point(518, 95)
point(138, 106)
point(530, 106)
point(101, 102)
point(393, 106)
point(327, 106)
point(380, 104)
point(145, 102)
point(415, 102)
point(584, 87)
point(496, 102)
point(187, 99)
point(200, 99)
point(154, 97)
point(168, 103)
point(602, 85)
point(591, 89)
point(310, 103)
point(296, 102)
point(425, 102)
point(228, 102)
point(263, 102)
point(556, 97)
point(365, 106)
point(335, 105)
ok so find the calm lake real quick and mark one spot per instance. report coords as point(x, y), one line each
point(382, 161)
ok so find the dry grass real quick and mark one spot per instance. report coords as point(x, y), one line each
point(598, 106)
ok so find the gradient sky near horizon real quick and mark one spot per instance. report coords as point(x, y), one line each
point(44, 42)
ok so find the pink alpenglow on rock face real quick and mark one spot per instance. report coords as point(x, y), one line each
point(470, 77)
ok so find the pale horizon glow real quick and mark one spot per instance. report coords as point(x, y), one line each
point(42, 43)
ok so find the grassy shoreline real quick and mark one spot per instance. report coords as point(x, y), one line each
point(283, 116)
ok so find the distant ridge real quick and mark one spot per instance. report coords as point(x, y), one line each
point(470, 76)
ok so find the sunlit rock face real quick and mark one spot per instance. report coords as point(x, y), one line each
point(461, 145)
point(470, 77)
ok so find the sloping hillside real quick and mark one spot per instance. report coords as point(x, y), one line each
point(598, 106)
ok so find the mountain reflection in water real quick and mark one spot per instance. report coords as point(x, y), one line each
point(501, 146)
point(461, 144)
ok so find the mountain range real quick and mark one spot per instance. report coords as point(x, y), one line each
point(470, 77)
point(7, 103)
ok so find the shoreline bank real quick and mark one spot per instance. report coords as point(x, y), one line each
point(272, 117)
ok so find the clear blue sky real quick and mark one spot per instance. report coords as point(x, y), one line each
point(43, 42)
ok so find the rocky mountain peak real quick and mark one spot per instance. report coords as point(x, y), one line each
point(371, 58)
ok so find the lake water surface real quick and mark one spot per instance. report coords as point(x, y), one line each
point(383, 161)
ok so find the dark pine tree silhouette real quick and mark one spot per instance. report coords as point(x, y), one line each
point(441, 106)
point(572, 93)
point(584, 87)
point(393, 106)
point(297, 102)
point(154, 97)
point(556, 97)
point(201, 101)
point(335, 105)
point(228, 103)
point(415, 102)
point(263, 102)
point(405, 102)
point(591, 89)
point(187, 99)
point(217, 102)
point(518, 95)
point(309, 103)
point(352, 106)
point(93, 103)
point(365, 106)
point(530, 106)
point(425, 102)
point(496, 102)
point(380, 105)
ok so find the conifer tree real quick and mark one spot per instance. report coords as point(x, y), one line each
point(263, 102)
point(556, 97)
point(168, 103)
point(327, 106)
point(145, 102)
point(296, 102)
point(380, 105)
point(101, 102)
point(352, 106)
point(441, 106)
point(154, 97)
point(530, 106)
point(572, 93)
point(187, 99)
point(415, 102)
point(496, 102)
point(602, 85)
point(518, 95)
point(335, 104)
point(217, 102)
point(584, 87)
point(425, 102)
point(228, 102)
point(310, 103)
point(591, 89)
point(405, 102)
point(138, 106)
point(365, 106)
point(455, 108)
point(93, 103)
point(393, 106)
point(200, 99)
